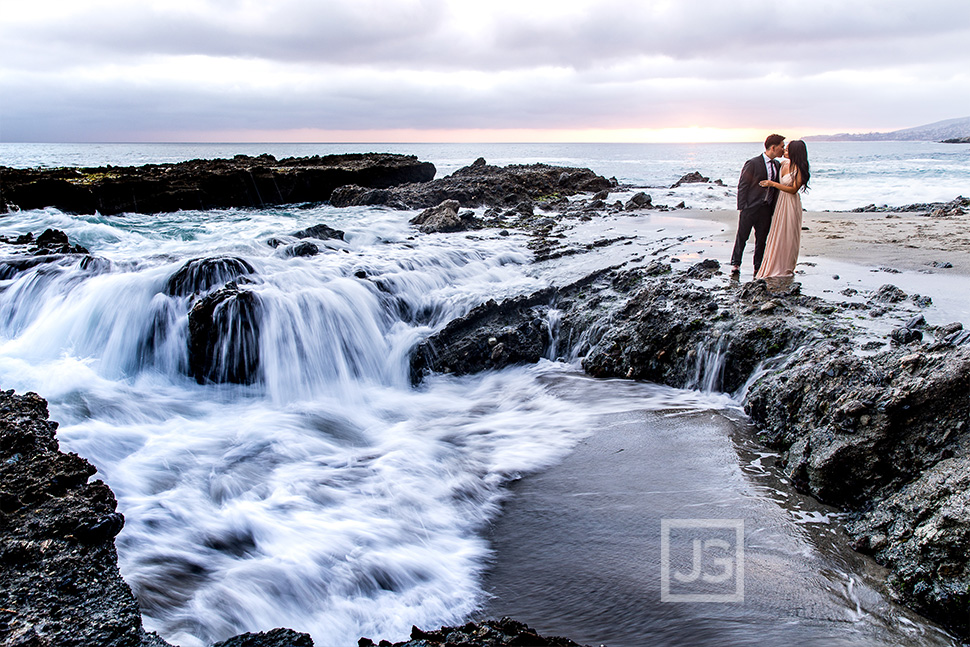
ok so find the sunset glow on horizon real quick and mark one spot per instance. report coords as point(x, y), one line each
point(691, 135)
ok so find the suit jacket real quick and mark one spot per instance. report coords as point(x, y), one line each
point(750, 193)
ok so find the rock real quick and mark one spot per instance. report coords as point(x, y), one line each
point(352, 195)
point(639, 201)
point(305, 248)
point(602, 195)
point(917, 321)
point(442, 218)
point(200, 275)
point(100, 530)
point(273, 638)
point(905, 336)
point(482, 185)
point(705, 269)
point(205, 184)
point(59, 578)
point(489, 633)
point(320, 232)
point(889, 294)
point(491, 336)
point(691, 178)
point(224, 337)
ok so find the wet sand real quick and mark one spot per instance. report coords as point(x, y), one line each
point(903, 241)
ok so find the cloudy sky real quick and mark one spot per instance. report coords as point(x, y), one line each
point(471, 70)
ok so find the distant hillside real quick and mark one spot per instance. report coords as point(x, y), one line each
point(949, 129)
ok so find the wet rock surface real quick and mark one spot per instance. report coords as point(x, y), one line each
point(58, 565)
point(51, 247)
point(243, 181)
point(224, 336)
point(882, 435)
point(480, 185)
point(490, 633)
point(957, 207)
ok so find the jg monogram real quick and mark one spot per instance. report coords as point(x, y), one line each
point(716, 572)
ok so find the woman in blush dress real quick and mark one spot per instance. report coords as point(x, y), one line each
point(785, 235)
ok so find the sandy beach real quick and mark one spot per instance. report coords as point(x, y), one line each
point(902, 241)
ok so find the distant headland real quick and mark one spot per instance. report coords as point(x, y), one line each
point(951, 131)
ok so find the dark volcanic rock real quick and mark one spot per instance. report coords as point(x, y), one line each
point(274, 638)
point(639, 201)
point(305, 248)
point(204, 184)
point(224, 337)
point(492, 335)
point(52, 246)
point(957, 207)
point(691, 178)
point(200, 275)
point(883, 435)
point(490, 633)
point(58, 566)
point(445, 218)
point(320, 232)
point(886, 436)
point(482, 185)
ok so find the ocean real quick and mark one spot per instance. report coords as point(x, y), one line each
point(845, 175)
point(332, 496)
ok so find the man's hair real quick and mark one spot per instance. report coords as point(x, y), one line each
point(773, 140)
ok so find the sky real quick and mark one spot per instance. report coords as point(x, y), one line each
point(476, 71)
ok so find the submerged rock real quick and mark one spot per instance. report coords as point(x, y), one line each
point(200, 275)
point(224, 332)
point(320, 232)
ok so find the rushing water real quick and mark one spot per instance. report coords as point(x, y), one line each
point(330, 495)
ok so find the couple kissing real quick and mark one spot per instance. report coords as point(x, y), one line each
point(769, 203)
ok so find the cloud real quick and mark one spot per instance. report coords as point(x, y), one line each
point(106, 69)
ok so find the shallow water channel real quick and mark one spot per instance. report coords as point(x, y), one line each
point(670, 525)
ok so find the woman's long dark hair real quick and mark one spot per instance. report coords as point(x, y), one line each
point(798, 157)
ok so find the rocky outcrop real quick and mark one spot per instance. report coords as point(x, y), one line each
point(480, 185)
point(956, 207)
point(444, 218)
point(204, 184)
point(883, 434)
point(58, 565)
point(886, 436)
point(50, 247)
point(490, 633)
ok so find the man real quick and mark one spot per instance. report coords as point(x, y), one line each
point(757, 203)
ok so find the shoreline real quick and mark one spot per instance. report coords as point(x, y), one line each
point(895, 239)
point(764, 322)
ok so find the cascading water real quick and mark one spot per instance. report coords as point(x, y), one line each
point(295, 478)
point(253, 413)
point(709, 365)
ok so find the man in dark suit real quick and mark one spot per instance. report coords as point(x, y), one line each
point(757, 203)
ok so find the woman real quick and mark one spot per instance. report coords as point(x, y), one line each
point(785, 235)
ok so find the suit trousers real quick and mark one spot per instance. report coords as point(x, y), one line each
point(759, 219)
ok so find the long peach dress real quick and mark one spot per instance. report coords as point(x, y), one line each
point(785, 234)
